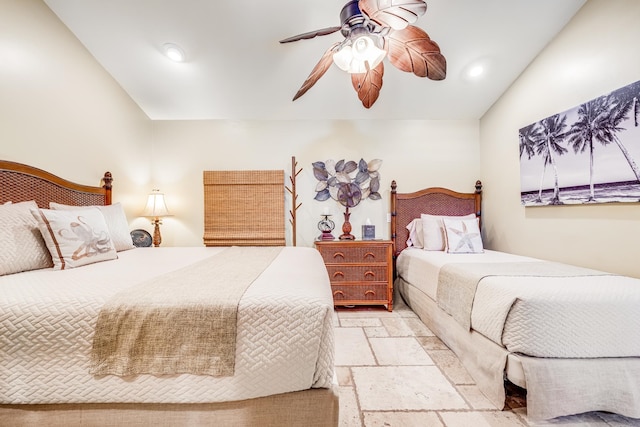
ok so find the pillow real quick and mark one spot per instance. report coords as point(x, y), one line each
point(433, 230)
point(416, 238)
point(462, 236)
point(22, 247)
point(75, 237)
point(116, 223)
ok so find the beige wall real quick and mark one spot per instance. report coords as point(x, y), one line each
point(596, 53)
point(414, 153)
point(61, 111)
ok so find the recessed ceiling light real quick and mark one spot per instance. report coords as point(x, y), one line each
point(173, 52)
point(476, 71)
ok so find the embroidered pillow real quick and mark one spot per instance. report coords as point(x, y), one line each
point(462, 236)
point(433, 230)
point(116, 222)
point(75, 237)
point(22, 247)
point(416, 238)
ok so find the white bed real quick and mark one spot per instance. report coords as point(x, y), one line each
point(284, 348)
point(570, 336)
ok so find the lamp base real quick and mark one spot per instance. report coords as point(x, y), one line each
point(326, 235)
point(157, 238)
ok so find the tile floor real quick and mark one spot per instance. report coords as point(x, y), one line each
point(393, 371)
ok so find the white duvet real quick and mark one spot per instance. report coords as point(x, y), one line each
point(47, 320)
point(560, 317)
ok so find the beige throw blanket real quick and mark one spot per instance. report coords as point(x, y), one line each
point(180, 322)
point(457, 282)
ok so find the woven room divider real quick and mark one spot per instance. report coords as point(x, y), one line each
point(244, 208)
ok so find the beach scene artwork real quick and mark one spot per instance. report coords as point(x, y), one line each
point(588, 154)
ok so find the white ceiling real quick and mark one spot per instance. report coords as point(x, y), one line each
point(236, 69)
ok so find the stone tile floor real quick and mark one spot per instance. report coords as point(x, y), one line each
point(393, 371)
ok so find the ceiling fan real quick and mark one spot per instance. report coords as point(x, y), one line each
point(373, 30)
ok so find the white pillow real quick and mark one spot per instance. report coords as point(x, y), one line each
point(462, 236)
point(75, 237)
point(433, 230)
point(22, 247)
point(416, 237)
point(116, 222)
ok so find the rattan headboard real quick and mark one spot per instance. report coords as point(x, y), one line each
point(244, 208)
point(20, 183)
point(435, 201)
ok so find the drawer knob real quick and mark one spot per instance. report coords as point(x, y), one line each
point(338, 293)
point(369, 273)
point(338, 273)
point(370, 292)
point(338, 254)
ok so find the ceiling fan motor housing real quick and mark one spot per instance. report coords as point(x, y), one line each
point(351, 17)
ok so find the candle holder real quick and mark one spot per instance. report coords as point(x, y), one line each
point(326, 226)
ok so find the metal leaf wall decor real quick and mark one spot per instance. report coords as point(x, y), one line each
point(347, 182)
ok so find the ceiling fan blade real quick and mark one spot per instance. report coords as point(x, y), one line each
point(368, 85)
point(318, 71)
point(396, 14)
point(412, 50)
point(311, 34)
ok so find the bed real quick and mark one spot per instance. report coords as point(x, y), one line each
point(570, 336)
point(68, 351)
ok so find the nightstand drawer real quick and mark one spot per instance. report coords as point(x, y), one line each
point(361, 293)
point(354, 254)
point(357, 273)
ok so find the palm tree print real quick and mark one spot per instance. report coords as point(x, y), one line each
point(600, 130)
point(528, 137)
point(593, 125)
point(549, 144)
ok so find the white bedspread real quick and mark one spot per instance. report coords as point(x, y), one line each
point(47, 321)
point(564, 317)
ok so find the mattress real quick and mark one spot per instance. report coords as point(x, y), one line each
point(555, 317)
point(47, 320)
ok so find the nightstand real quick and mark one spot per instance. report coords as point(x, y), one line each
point(360, 271)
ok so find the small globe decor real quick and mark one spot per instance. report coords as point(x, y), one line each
point(348, 183)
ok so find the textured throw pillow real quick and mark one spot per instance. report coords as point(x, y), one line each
point(116, 222)
point(416, 238)
point(433, 230)
point(21, 245)
point(462, 236)
point(75, 237)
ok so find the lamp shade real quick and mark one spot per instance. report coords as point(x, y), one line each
point(156, 206)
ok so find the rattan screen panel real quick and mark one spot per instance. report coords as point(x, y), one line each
point(19, 183)
point(244, 208)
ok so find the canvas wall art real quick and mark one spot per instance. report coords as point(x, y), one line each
point(588, 154)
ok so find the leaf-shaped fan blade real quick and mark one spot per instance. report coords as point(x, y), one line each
point(368, 85)
point(311, 34)
point(318, 71)
point(412, 50)
point(396, 14)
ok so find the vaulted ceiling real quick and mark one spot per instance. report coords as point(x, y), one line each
point(236, 69)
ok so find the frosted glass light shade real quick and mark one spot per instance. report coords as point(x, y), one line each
point(354, 58)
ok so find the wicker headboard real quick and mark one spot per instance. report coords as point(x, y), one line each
point(244, 208)
point(435, 201)
point(20, 183)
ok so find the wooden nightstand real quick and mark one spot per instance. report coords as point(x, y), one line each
point(361, 271)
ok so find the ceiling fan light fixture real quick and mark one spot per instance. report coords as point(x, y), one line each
point(359, 56)
point(173, 52)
